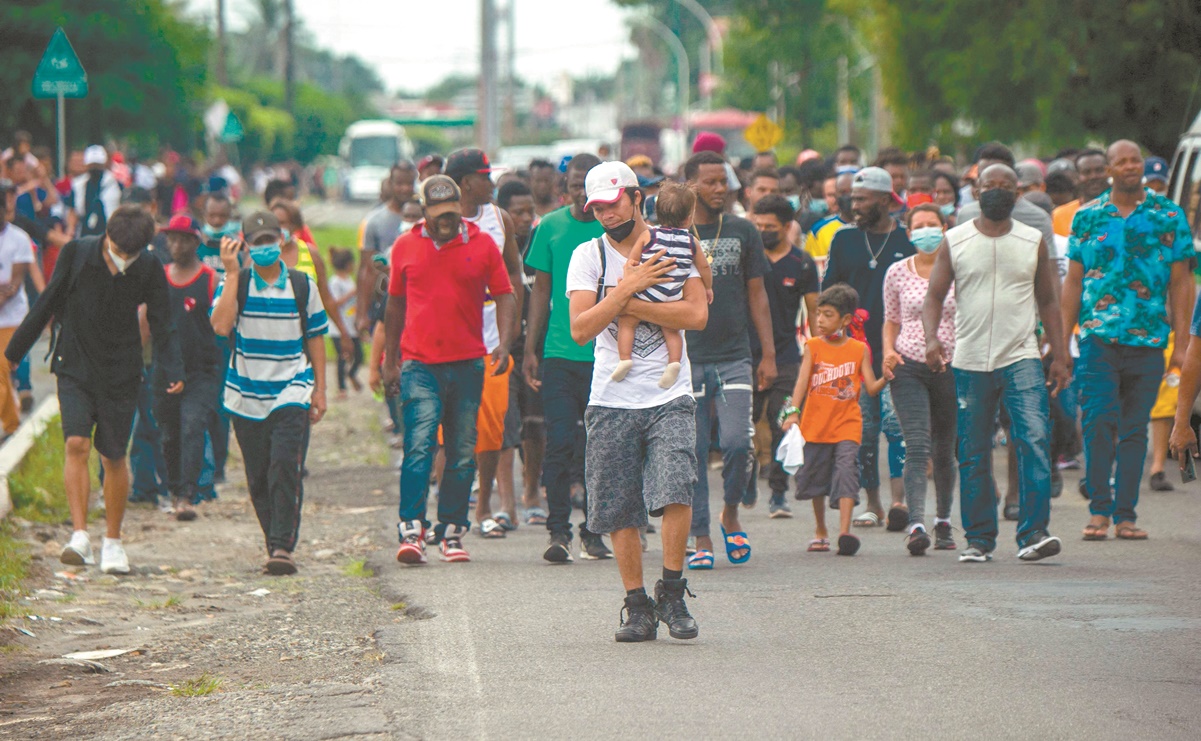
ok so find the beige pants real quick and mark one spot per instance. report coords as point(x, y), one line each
point(10, 415)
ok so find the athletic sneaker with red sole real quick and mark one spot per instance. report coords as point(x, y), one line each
point(452, 545)
point(412, 543)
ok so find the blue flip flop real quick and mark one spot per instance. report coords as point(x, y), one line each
point(737, 541)
point(701, 561)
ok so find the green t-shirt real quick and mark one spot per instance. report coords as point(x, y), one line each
point(554, 240)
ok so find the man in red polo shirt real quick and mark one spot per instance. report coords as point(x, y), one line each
point(442, 270)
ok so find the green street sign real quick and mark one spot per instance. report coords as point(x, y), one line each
point(60, 71)
point(233, 131)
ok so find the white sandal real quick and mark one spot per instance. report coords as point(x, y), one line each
point(867, 519)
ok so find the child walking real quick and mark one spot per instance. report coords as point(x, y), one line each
point(675, 203)
point(344, 290)
point(827, 408)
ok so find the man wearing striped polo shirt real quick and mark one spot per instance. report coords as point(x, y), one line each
point(275, 383)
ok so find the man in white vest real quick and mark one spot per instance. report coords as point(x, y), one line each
point(1005, 283)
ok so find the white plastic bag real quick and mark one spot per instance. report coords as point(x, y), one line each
point(791, 453)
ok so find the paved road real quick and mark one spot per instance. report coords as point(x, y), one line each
point(1103, 642)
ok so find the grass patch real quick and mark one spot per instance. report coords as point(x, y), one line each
point(166, 604)
point(14, 560)
point(205, 684)
point(333, 235)
point(37, 484)
point(358, 568)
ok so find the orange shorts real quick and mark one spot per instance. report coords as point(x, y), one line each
point(494, 404)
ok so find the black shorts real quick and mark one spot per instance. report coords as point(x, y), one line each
point(108, 413)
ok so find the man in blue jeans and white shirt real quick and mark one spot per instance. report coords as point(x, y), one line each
point(1005, 282)
point(1130, 252)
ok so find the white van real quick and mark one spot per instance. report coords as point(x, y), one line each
point(370, 148)
point(1184, 184)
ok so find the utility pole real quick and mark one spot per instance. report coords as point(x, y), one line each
point(289, 59)
point(487, 130)
point(510, 127)
point(222, 75)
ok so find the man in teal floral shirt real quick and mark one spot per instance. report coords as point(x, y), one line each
point(1129, 283)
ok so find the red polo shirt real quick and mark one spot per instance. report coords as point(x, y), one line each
point(444, 292)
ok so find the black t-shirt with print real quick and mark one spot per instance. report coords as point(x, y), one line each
point(736, 256)
point(791, 277)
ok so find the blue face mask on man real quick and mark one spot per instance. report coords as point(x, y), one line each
point(265, 255)
point(228, 229)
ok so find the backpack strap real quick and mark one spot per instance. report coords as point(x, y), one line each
point(600, 282)
point(300, 292)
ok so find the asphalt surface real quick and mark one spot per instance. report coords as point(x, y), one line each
point(1102, 641)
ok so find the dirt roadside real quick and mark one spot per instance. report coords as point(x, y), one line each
point(283, 657)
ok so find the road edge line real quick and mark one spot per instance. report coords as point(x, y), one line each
point(18, 446)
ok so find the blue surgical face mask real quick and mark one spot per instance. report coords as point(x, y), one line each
point(819, 206)
point(794, 201)
point(926, 239)
point(287, 234)
point(265, 255)
point(948, 209)
point(228, 229)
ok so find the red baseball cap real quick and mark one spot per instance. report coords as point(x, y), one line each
point(183, 224)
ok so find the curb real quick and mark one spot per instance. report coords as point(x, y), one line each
point(16, 447)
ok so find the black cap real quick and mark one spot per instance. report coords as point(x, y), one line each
point(259, 224)
point(463, 162)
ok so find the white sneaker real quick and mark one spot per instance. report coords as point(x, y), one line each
point(165, 506)
point(78, 550)
point(112, 558)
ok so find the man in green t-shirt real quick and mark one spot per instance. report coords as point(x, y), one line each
point(566, 367)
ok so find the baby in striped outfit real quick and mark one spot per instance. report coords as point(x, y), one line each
point(674, 209)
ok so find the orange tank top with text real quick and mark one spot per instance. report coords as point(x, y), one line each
point(831, 413)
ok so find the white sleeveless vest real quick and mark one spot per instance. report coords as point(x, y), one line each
point(996, 313)
point(490, 222)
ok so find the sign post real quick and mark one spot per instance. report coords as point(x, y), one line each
point(60, 75)
point(763, 134)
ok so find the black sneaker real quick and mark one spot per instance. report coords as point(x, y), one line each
point(918, 542)
point(1040, 545)
point(943, 541)
point(670, 608)
point(638, 621)
point(559, 550)
point(593, 548)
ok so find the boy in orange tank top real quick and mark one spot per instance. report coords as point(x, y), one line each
point(826, 406)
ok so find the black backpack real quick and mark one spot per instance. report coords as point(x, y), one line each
point(300, 291)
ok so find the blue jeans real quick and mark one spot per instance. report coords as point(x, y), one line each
point(1118, 386)
point(219, 431)
point(1022, 386)
point(21, 376)
point(723, 391)
point(146, 460)
point(878, 414)
point(446, 393)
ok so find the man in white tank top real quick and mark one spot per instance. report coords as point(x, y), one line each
point(1002, 273)
point(471, 170)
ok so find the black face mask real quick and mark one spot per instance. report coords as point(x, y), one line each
point(621, 231)
point(844, 204)
point(771, 240)
point(997, 204)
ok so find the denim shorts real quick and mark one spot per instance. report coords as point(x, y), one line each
point(638, 460)
point(831, 469)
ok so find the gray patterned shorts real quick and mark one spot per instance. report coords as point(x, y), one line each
point(638, 460)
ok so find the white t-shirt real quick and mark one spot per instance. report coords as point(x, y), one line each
point(640, 389)
point(15, 247)
point(340, 287)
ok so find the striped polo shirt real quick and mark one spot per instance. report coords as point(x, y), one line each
point(269, 369)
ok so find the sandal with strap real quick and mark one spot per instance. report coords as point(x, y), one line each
point(819, 545)
point(503, 519)
point(737, 541)
point(700, 561)
point(1128, 531)
point(491, 529)
point(1096, 532)
point(535, 516)
point(867, 519)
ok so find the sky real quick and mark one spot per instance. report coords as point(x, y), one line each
point(414, 44)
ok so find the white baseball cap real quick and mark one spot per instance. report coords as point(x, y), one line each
point(607, 181)
point(95, 155)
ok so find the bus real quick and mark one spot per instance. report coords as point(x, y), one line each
point(370, 148)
